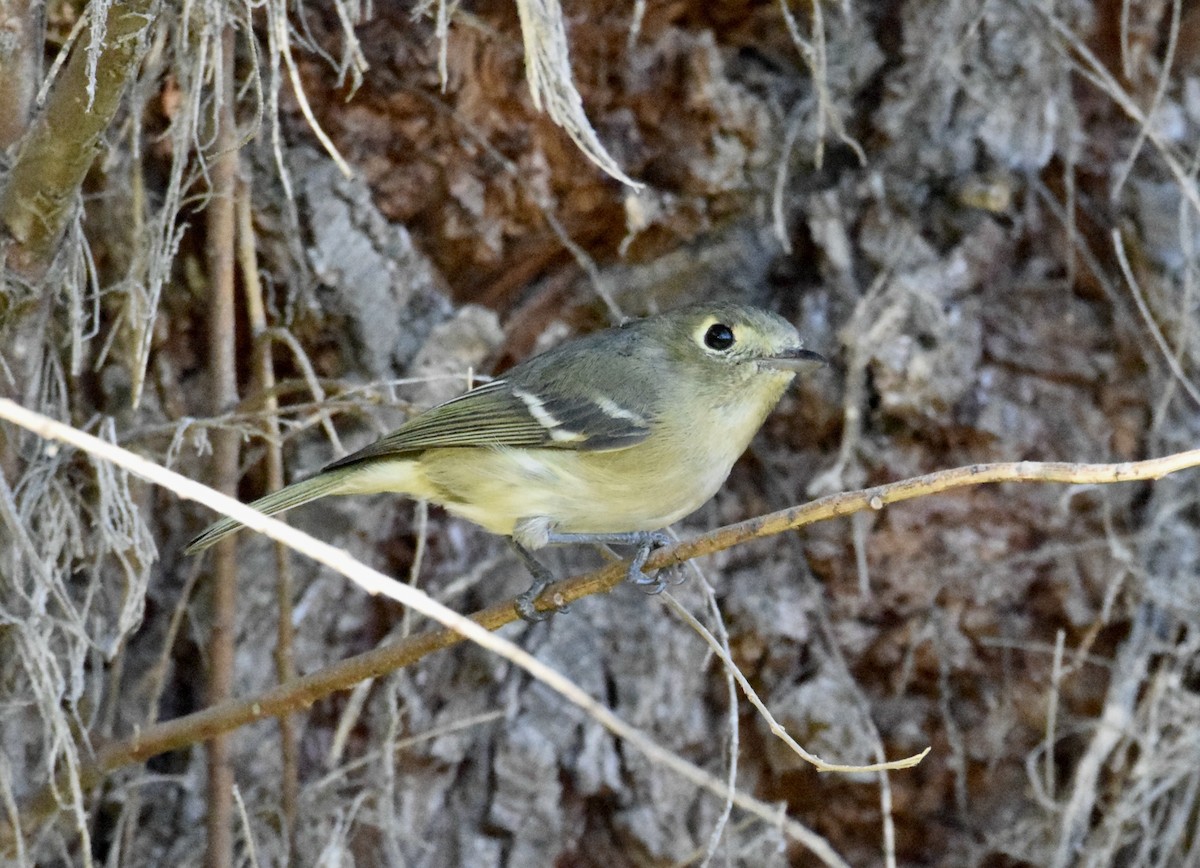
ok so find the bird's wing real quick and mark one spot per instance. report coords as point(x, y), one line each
point(505, 414)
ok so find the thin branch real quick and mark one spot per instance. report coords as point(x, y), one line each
point(222, 333)
point(606, 578)
point(1160, 91)
point(1094, 70)
point(775, 726)
point(1112, 727)
point(285, 668)
point(1169, 356)
point(281, 43)
point(816, 58)
point(876, 498)
point(247, 828)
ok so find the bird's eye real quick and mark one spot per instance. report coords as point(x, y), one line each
point(718, 337)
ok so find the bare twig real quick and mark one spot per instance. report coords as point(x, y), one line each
point(777, 728)
point(223, 384)
point(1170, 356)
point(1093, 69)
point(878, 497)
point(816, 58)
point(1112, 728)
point(1160, 91)
point(281, 45)
point(1053, 694)
point(285, 668)
point(247, 829)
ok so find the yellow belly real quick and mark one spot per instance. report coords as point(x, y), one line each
point(575, 492)
point(528, 493)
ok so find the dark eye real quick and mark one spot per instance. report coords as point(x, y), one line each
point(718, 337)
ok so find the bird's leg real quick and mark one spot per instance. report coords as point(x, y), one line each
point(646, 542)
point(542, 578)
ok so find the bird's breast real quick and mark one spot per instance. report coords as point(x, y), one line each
point(647, 486)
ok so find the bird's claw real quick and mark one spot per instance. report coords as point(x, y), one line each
point(542, 579)
point(651, 584)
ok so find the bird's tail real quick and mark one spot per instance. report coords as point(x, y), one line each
point(333, 482)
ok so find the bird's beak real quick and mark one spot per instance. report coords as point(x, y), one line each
point(794, 359)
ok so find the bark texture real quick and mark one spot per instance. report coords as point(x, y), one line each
point(985, 213)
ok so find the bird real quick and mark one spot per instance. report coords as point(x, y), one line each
point(606, 439)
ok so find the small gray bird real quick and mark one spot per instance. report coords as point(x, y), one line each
point(607, 439)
